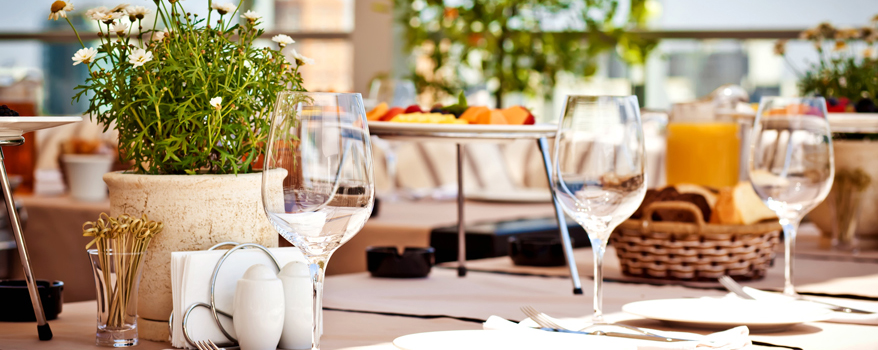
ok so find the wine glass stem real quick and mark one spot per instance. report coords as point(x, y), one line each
point(318, 272)
point(790, 227)
point(599, 246)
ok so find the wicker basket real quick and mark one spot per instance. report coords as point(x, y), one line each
point(693, 251)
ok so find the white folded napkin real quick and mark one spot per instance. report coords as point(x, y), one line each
point(731, 339)
point(190, 282)
point(838, 317)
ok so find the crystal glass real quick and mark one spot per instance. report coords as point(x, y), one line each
point(117, 280)
point(318, 187)
point(599, 176)
point(791, 164)
point(396, 93)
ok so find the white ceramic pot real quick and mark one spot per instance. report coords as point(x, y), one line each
point(851, 155)
point(84, 175)
point(198, 211)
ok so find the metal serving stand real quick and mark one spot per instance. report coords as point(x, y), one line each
point(45, 333)
point(460, 138)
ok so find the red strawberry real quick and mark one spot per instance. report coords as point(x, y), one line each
point(413, 109)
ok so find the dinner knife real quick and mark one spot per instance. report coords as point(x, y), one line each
point(619, 335)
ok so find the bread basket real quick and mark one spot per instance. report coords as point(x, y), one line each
point(693, 251)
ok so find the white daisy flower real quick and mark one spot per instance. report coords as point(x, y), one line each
point(137, 12)
point(223, 8)
point(159, 35)
point(251, 16)
point(120, 8)
point(139, 57)
point(217, 102)
point(90, 13)
point(300, 59)
point(106, 17)
point(86, 56)
point(59, 9)
point(119, 28)
point(282, 40)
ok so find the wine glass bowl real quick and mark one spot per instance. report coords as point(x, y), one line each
point(599, 177)
point(791, 163)
point(318, 188)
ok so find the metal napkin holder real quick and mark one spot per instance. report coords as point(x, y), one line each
point(212, 305)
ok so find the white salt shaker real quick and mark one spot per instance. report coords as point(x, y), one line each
point(296, 280)
point(259, 309)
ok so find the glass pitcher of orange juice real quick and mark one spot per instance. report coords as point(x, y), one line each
point(702, 147)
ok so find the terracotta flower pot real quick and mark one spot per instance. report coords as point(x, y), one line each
point(198, 211)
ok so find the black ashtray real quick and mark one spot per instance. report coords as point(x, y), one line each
point(537, 250)
point(388, 262)
point(16, 300)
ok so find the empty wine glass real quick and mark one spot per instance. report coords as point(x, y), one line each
point(791, 164)
point(396, 93)
point(599, 176)
point(317, 183)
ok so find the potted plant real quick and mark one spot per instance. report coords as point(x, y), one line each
point(845, 75)
point(191, 104)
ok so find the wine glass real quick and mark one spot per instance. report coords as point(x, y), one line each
point(396, 93)
point(791, 164)
point(599, 176)
point(317, 183)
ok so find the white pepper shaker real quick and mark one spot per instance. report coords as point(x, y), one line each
point(296, 279)
point(259, 309)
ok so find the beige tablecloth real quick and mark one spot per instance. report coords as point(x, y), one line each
point(478, 296)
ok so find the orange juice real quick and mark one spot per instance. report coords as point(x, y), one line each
point(703, 153)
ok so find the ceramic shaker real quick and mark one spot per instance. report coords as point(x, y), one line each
point(296, 280)
point(259, 309)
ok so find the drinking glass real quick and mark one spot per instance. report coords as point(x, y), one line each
point(317, 184)
point(396, 93)
point(791, 164)
point(599, 176)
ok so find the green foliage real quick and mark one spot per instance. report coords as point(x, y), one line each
point(166, 109)
point(505, 41)
point(842, 77)
point(846, 68)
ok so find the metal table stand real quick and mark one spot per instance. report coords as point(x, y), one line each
point(542, 141)
point(45, 333)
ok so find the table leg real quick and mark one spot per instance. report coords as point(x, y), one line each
point(562, 222)
point(461, 232)
point(45, 333)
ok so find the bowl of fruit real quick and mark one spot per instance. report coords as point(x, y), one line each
point(457, 121)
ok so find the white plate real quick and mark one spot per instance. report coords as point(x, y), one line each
point(725, 313)
point(521, 195)
point(458, 132)
point(17, 126)
point(506, 340)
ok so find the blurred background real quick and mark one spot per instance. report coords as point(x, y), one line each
point(693, 46)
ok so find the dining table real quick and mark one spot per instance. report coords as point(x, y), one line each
point(57, 248)
point(363, 312)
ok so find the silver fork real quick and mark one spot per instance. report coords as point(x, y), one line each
point(736, 288)
point(206, 345)
point(540, 318)
point(545, 321)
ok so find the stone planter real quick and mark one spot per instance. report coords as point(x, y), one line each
point(198, 211)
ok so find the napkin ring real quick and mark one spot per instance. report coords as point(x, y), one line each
point(212, 305)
